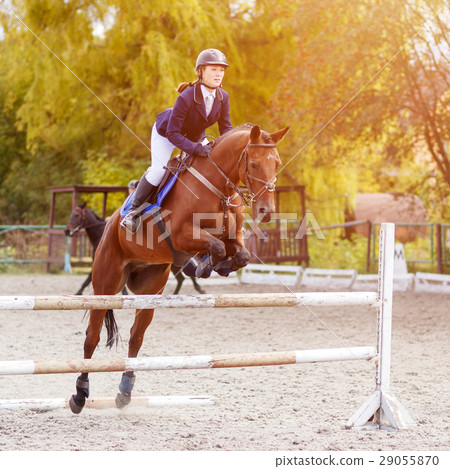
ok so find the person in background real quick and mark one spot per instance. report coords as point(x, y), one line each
point(132, 186)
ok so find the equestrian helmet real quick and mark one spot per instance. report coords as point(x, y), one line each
point(211, 57)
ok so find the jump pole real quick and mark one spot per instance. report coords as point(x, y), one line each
point(74, 302)
point(105, 402)
point(382, 410)
point(36, 367)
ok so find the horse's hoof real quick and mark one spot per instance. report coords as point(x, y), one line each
point(122, 400)
point(74, 407)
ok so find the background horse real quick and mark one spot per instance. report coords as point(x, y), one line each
point(84, 217)
point(204, 214)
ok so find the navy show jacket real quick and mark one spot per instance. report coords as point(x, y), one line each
point(185, 124)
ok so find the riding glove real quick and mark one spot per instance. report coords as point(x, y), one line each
point(202, 150)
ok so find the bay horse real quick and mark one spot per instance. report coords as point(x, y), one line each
point(84, 217)
point(205, 213)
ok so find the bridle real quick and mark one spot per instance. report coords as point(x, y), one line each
point(251, 197)
point(247, 198)
point(83, 222)
point(268, 186)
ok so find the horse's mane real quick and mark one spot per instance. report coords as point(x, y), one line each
point(96, 216)
point(240, 128)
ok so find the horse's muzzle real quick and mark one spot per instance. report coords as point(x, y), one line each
point(263, 208)
point(71, 231)
point(263, 211)
point(264, 215)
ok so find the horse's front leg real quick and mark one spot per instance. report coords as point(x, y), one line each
point(240, 255)
point(179, 277)
point(197, 286)
point(235, 244)
point(193, 238)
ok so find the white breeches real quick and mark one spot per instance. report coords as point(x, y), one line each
point(161, 150)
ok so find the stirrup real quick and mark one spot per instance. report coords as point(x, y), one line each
point(131, 223)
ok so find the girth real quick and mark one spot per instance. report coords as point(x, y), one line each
point(178, 257)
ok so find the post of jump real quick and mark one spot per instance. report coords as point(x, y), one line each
point(380, 411)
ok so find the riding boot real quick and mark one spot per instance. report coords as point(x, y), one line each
point(143, 193)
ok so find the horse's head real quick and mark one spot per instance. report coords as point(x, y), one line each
point(77, 220)
point(257, 170)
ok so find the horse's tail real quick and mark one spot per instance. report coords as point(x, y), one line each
point(111, 328)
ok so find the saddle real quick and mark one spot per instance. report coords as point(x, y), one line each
point(174, 167)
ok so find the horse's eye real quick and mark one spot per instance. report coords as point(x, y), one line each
point(253, 164)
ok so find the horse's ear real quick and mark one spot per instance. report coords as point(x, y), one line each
point(83, 205)
point(278, 136)
point(255, 133)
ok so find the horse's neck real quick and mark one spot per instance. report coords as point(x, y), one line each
point(228, 159)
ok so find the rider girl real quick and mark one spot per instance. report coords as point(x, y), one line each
point(201, 104)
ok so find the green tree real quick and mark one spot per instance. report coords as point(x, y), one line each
point(349, 96)
point(85, 102)
point(363, 93)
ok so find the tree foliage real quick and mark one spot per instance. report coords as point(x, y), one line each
point(363, 85)
point(369, 95)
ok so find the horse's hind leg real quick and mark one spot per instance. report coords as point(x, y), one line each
point(147, 282)
point(85, 284)
point(179, 277)
point(197, 286)
point(78, 400)
point(106, 286)
point(142, 321)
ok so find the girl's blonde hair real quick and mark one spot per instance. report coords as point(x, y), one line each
point(186, 84)
point(182, 86)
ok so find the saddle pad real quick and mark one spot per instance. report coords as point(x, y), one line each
point(127, 204)
point(159, 199)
